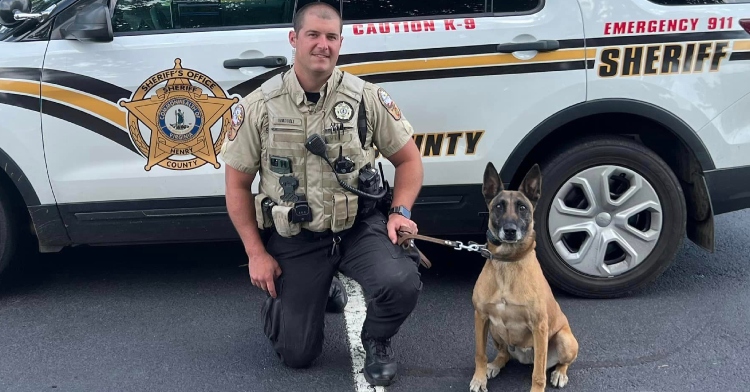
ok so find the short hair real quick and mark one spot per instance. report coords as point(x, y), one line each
point(299, 16)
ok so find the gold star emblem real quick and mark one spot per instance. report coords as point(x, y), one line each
point(179, 115)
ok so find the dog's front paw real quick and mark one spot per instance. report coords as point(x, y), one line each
point(558, 379)
point(492, 370)
point(478, 385)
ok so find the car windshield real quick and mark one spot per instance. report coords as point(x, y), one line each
point(36, 7)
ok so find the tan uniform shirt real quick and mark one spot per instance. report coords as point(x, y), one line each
point(243, 148)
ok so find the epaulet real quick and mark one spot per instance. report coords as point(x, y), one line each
point(353, 86)
point(272, 87)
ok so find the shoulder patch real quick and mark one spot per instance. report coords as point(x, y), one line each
point(389, 104)
point(238, 117)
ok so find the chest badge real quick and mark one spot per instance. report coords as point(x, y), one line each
point(178, 107)
point(343, 111)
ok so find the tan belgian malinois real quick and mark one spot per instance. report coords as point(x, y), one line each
point(512, 300)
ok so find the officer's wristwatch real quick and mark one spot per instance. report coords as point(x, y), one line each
point(401, 210)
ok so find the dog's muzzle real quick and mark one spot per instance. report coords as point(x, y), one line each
point(508, 235)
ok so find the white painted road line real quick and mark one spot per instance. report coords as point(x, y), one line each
point(355, 313)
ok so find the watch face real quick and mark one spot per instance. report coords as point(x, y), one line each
point(402, 211)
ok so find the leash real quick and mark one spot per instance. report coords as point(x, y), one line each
point(406, 240)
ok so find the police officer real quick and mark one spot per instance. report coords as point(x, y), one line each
point(310, 202)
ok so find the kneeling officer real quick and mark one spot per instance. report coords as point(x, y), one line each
point(310, 133)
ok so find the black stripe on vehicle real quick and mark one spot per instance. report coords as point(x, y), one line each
point(666, 38)
point(21, 73)
point(85, 84)
point(22, 101)
point(479, 71)
point(248, 86)
point(89, 122)
point(413, 54)
point(435, 52)
point(739, 56)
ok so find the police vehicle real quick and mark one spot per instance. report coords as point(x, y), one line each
point(113, 114)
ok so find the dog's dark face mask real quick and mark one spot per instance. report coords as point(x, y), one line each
point(511, 212)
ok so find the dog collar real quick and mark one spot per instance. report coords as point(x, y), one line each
point(492, 238)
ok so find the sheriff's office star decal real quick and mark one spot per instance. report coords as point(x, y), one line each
point(387, 101)
point(179, 115)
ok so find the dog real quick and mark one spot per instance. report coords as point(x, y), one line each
point(512, 299)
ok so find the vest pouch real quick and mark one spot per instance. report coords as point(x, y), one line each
point(344, 211)
point(284, 227)
point(263, 213)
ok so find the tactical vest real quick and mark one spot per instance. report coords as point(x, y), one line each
point(332, 206)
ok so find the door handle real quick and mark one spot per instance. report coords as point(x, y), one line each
point(268, 62)
point(540, 46)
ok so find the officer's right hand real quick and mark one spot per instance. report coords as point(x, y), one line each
point(263, 270)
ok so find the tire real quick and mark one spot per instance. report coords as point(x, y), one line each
point(10, 239)
point(650, 221)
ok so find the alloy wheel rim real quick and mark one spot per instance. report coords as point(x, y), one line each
point(605, 221)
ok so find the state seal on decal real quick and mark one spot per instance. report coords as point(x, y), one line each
point(389, 104)
point(238, 117)
point(178, 108)
point(343, 111)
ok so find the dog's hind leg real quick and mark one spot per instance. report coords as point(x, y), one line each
point(567, 351)
point(502, 358)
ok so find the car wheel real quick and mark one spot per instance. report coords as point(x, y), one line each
point(9, 234)
point(610, 218)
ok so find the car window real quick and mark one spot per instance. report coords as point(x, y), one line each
point(698, 2)
point(510, 6)
point(378, 9)
point(36, 7)
point(146, 15)
point(334, 3)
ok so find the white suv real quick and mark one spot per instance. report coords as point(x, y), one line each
point(640, 121)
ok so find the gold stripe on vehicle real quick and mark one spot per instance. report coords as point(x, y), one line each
point(19, 86)
point(104, 109)
point(741, 45)
point(465, 62)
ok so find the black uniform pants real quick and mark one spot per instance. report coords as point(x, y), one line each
point(389, 277)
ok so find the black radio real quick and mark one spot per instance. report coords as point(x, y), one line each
point(369, 182)
point(300, 212)
point(316, 145)
point(266, 206)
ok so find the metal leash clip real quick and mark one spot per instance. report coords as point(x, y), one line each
point(473, 247)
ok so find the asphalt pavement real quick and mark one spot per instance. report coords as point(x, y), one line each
point(186, 318)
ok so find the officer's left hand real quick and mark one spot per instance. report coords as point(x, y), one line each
point(398, 222)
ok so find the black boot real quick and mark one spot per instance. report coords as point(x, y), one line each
point(337, 297)
point(380, 363)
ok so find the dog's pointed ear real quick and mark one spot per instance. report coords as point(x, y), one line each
point(492, 185)
point(531, 186)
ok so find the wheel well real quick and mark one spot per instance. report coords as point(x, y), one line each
point(682, 160)
point(18, 206)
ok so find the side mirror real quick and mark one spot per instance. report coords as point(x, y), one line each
point(8, 9)
point(92, 23)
